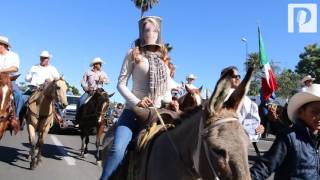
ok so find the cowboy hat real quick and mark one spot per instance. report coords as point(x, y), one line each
point(311, 94)
point(307, 78)
point(4, 40)
point(45, 54)
point(191, 76)
point(96, 60)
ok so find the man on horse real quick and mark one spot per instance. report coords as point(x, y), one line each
point(42, 72)
point(9, 63)
point(190, 79)
point(93, 79)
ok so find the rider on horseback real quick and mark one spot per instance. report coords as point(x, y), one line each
point(41, 73)
point(93, 79)
point(9, 63)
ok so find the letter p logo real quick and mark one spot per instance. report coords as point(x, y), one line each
point(303, 17)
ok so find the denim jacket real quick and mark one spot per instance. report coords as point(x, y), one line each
point(293, 155)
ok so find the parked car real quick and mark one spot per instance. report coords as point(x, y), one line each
point(68, 115)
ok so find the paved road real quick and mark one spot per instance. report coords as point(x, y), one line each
point(60, 158)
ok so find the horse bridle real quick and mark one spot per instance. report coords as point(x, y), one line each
point(203, 133)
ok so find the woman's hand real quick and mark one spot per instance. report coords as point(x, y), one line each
point(145, 102)
point(260, 129)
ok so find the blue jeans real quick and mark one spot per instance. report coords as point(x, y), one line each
point(19, 98)
point(83, 99)
point(127, 128)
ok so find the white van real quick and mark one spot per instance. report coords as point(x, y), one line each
point(69, 113)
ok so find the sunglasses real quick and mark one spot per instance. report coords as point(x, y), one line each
point(236, 76)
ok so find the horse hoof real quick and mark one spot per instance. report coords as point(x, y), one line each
point(99, 163)
point(32, 166)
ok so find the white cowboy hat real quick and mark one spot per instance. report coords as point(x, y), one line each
point(311, 94)
point(307, 78)
point(96, 60)
point(4, 40)
point(45, 54)
point(191, 76)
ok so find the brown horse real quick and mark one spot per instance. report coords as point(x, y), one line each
point(40, 115)
point(92, 115)
point(210, 142)
point(7, 108)
point(190, 100)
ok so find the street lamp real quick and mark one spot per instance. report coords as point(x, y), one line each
point(245, 41)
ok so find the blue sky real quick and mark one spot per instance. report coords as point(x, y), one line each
point(205, 34)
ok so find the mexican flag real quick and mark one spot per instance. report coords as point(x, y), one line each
point(269, 83)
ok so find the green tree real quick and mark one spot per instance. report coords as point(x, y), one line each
point(288, 83)
point(73, 89)
point(144, 5)
point(253, 61)
point(310, 62)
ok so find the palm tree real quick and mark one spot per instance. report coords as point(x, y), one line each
point(145, 5)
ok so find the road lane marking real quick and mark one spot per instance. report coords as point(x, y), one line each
point(70, 161)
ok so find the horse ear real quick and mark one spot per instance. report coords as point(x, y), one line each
point(236, 98)
point(219, 95)
point(200, 89)
point(110, 95)
point(14, 77)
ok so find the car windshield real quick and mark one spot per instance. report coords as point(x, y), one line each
point(73, 100)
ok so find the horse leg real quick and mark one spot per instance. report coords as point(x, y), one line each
point(82, 143)
point(86, 145)
point(32, 140)
point(98, 139)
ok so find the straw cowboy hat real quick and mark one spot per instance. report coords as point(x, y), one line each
point(45, 54)
point(307, 78)
point(191, 76)
point(5, 40)
point(96, 60)
point(311, 94)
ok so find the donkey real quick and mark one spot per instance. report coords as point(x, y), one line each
point(92, 115)
point(40, 115)
point(210, 142)
point(7, 108)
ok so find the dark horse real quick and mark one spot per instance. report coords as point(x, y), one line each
point(92, 115)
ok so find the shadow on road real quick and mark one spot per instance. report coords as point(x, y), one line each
point(11, 155)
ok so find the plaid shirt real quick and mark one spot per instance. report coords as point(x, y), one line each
point(94, 80)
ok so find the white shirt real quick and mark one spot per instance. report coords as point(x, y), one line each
point(38, 74)
point(10, 59)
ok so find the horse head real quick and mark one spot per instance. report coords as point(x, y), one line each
point(227, 143)
point(6, 96)
point(191, 99)
point(57, 90)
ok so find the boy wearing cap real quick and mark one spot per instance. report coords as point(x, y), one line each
point(9, 63)
point(295, 153)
